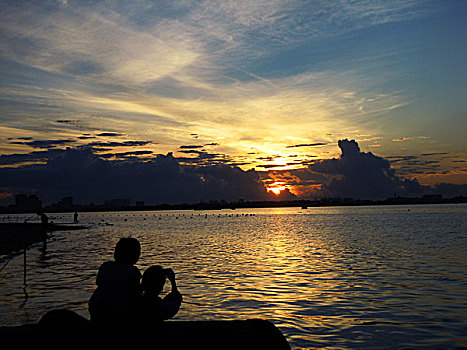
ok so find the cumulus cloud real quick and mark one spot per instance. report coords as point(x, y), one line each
point(357, 174)
point(36, 156)
point(82, 173)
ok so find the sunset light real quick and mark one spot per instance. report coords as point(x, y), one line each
point(276, 188)
point(232, 92)
point(259, 174)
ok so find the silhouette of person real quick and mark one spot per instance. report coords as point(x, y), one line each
point(118, 286)
point(75, 217)
point(44, 224)
point(152, 309)
point(44, 218)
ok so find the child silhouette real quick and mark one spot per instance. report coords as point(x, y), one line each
point(118, 285)
point(152, 308)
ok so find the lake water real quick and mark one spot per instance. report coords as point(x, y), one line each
point(335, 277)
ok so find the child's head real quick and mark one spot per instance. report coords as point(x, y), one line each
point(127, 250)
point(153, 279)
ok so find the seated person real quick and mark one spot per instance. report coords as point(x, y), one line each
point(118, 286)
point(152, 308)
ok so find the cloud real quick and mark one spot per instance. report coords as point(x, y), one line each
point(204, 158)
point(398, 159)
point(357, 174)
point(130, 154)
point(191, 146)
point(93, 41)
point(451, 190)
point(198, 50)
point(270, 166)
point(44, 143)
point(214, 68)
point(67, 121)
point(110, 134)
point(309, 144)
point(16, 159)
point(89, 175)
point(119, 144)
point(161, 71)
point(402, 139)
point(162, 179)
point(435, 154)
point(362, 175)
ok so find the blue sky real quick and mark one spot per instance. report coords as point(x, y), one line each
point(245, 79)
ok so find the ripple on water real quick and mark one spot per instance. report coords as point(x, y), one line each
point(354, 277)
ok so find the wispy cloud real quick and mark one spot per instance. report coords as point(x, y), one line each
point(309, 145)
point(106, 41)
point(402, 139)
point(164, 72)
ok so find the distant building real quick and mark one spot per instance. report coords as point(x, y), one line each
point(117, 203)
point(27, 203)
point(65, 204)
point(432, 197)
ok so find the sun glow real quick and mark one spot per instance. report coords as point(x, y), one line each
point(276, 188)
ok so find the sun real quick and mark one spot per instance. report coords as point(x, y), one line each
point(276, 188)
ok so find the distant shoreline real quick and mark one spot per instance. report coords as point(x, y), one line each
point(304, 204)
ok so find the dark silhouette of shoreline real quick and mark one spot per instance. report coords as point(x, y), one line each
point(114, 205)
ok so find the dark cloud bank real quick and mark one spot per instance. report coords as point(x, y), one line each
point(358, 174)
point(80, 172)
point(361, 175)
point(88, 177)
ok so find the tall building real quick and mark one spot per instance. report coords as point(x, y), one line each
point(27, 203)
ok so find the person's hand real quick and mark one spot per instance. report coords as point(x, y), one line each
point(170, 274)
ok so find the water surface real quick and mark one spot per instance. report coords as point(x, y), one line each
point(336, 277)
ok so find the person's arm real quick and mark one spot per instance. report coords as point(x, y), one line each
point(171, 277)
point(172, 301)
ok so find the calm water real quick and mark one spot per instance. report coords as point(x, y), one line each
point(342, 277)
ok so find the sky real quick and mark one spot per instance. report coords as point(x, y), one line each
point(172, 101)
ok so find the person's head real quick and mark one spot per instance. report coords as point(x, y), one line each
point(127, 250)
point(153, 279)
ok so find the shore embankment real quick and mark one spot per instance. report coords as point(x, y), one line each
point(16, 236)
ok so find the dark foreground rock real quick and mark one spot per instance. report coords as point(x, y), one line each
point(65, 329)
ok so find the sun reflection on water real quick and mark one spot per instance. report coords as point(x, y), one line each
point(341, 275)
